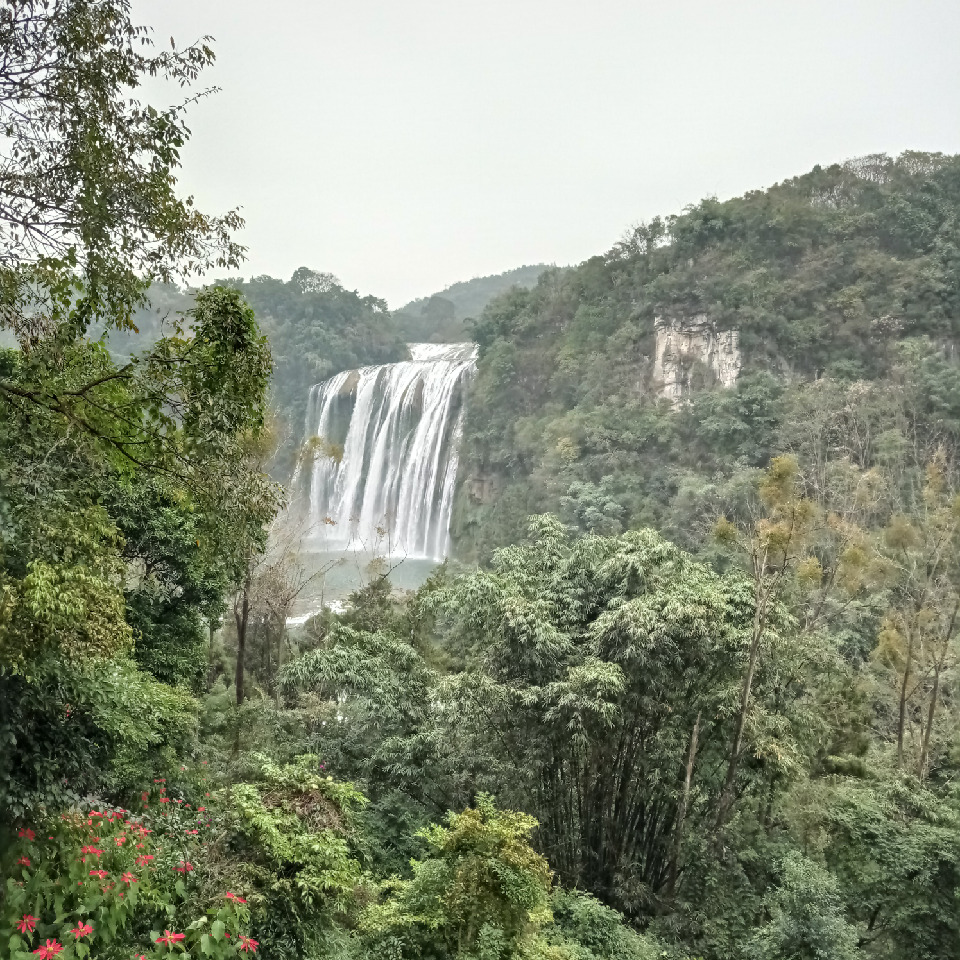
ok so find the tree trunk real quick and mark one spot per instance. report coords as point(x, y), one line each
point(934, 696)
point(902, 720)
point(684, 804)
point(931, 715)
point(211, 628)
point(242, 618)
point(729, 783)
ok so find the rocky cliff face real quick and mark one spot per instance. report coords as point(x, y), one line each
point(690, 351)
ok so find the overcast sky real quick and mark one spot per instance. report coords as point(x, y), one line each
point(406, 144)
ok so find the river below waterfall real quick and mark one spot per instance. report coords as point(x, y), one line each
point(338, 574)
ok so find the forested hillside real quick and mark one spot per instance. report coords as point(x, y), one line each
point(314, 326)
point(843, 289)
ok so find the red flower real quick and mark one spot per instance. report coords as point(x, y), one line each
point(81, 931)
point(98, 873)
point(51, 949)
point(26, 832)
point(143, 859)
point(25, 861)
point(170, 938)
point(91, 850)
point(184, 867)
point(233, 896)
point(28, 924)
point(164, 799)
point(249, 944)
point(188, 831)
point(128, 877)
point(120, 841)
point(201, 809)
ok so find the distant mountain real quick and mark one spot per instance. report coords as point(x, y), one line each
point(442, 317)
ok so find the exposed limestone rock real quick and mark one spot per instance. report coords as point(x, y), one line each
point(693, 345)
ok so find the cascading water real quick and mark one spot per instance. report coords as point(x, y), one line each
point(380, 461)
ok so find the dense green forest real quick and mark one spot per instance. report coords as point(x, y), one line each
point(689, 689)
point(844, 290)
point(314, 327)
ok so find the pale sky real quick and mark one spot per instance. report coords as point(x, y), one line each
point(407, 144)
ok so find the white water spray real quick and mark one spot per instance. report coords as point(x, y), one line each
point(380, 462)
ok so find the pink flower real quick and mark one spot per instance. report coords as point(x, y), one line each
point(51, 949)
point(98, 873)
point(28, 924)
point(93, 850)
point(247, 944)
point(23, 862)
point(184, 867)
point(128, 878)
point(82, 930)
point(143, 859)
point(233, 896)
point(26, 832)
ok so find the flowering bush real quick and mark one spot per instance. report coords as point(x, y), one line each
point(109, 883)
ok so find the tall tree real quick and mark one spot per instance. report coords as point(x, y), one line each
point(89, 211)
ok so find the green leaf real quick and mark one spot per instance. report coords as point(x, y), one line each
point(205, 943)
point(217, 930)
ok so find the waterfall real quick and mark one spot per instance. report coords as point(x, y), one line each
point(379, 463)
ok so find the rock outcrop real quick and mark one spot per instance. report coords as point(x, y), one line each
point(690, 352)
